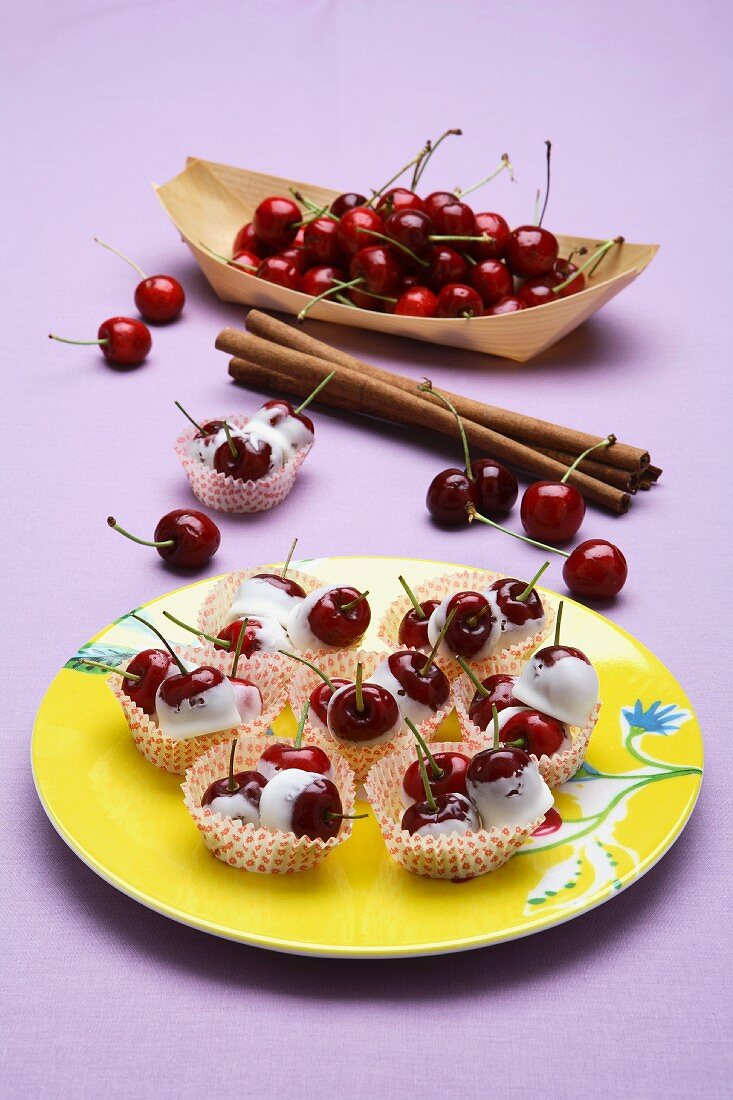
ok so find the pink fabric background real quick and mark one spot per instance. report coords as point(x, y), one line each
point(103, 998)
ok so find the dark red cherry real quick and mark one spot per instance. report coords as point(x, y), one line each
point(211, 427)
point(160, 298)
point(517, 612)
point(410, 228)
point(490, 765)
point(230, 633)
point(538, 733)
point(321, 242)
point(436, 200)
point(454, 218)
point(510, 304)
point(184, 686)
point(457, 300)
point(417, 301)
point(472, 623)
point(595, 570)
point(399, 198)
point(493, 280)
point(351, 235)
point(345, 202)
point(249, 784)
point(123, 341)
point(378, 715)
point(280, 756)
point(318, 279)
point(448, 494)
point(248, 262)
point(249, 462)
point(561, 271)
point(495, 227)
point(282, 584)
point(495, 488)
point(531, 251)
point(276, 220)
point(340, 617)
point(378, 267)
point(317, 810)
point(537, 292)
point(320, 697)
point(296, 256)
point(431, 688)
point(445, 266)
point(552, 511)
point(152, 666)
point(500, 694)
point(449, 807)
point(281, 271)
point(413, 629)
point(247, 240)
point(184, 537)
point(453, 765)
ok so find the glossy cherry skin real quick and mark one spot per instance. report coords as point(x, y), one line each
point(531, 251)
point(160, 298)
point(448, 494)
point(275, 221)
point(491, 764)
point(177, 689)
point(312, 810)
point(510, 304)
point(431, 688)
point(552, 511)
point(285, 410)
point(455, 218)
point(518, 612)
point(500, 689)
point(437, 199)
point(596, 570)
point(399, 198)
point(450, 807)
point(318, 279)
point(320, 697)
point(321, 241)
point(445, 266)
point(540, 734)
point(231, 632)
point(152, 665)
point(537, 292)
point(250, 462)
point(295, 255)
point(453, 780)
point(378, 715)
point(562, 270)
point(281, 271)
point(379, 268)
point(457, 300)
point(345, 202)
point(282, 584)
point(334, 626)
point(472, 624)
point(417, 301)
point(247, 240)
point(280, 756)
point(495, 488)
point(493, 280)
point(249, 783)
point(410, 228)
point(246, 261)
point(494, 226)
point(351, 230)
point(195, 537)
point(413, 631)
point(128, 341)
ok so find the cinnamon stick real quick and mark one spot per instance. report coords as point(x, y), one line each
point(527, 429)
point(271, 366)
point(628, 480)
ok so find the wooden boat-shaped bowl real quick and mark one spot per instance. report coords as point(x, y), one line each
point(209, 202)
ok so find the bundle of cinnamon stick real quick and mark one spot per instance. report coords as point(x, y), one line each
point(273, 355)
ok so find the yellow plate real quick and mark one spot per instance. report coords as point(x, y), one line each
point(127, 821)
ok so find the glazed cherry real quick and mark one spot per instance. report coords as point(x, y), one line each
point(124, 341)
point(507, 593)
point(228, 636)
point(247, 240)
point(397, 199)
point(436, 200)
point(345, 202)
point(421, 680)
point(184, 537)
point(448, 494)
point(491, 764)
point(413, 631)
point(243, 458)
point(510, 304)
point(495, 227)
point(183, 686)
point(340, 617)
point(281, 271)
point(495, 691)
point(596, 569)
point(379, 269)
point(363, 714)
point(152, 667)
point(351, 229)
point(282, 584)
point(552, 511)
point(537, 292)
point(531, 251)
point(538, 734)
point(248, 784)
point(321, 241)
point(317, 811)
point(285, 410)
point(446, 808)
point(472, 624)
point(321, 695)
point(457, 300)
point(276, 220)
point(280, 756)
point(452, 780)
point(246, 261)
point(417, 301)
point(445, 266)
point(319, 279)
point(495, 488)
point(454, 219)
point(410, 228)
point(493, 280)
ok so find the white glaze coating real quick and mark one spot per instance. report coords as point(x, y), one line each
point(262, 599)
point(236, 805)
point(210, 712)
point(291, 434)
point(410, 708)
point(436, 622)
point(298, 626)
point(506, 633)
point(514, 801)
point(382, 739)
point(279, 796)
point(248, 701)
point(270, 635)
point(566, 690)
point(470, 824)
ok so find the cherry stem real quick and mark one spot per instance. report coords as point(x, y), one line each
point(315, 212)
point(607, 442)
point(461, 237)
point(84, 343)
point(166, 643)
point(474, 619)
point(233, 450)
point(310, 665)
point(112, 522)
point(412, 597)
point(238, 649)
point(582, 251)
point(495, 720)
point(330, 816)
point(299, 197)
point(437, 771)
point(189, 417)
point(325, 294)
point(505, 163)
point(198, 633)
point(394, 244)
point(427, 387)
point(226, 259)
point(473, 678)
point(231, 785)
point(311, 397)
point(429, 798)
point(469, 259)
point(357, 685)
point(434, 651)
point(352, 604)
point(301, 726)
point(530, 587)
point(473, 514)
point(431, 151)
point(415, 161)
point(293, 544)
point(122, 256)
point(370, 294)
point(547, 183)
point(558, 621)
point(594, 259)
point(111, 668)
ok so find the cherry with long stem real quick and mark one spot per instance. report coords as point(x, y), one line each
point(304, 405)
point(472, 515)
point(327, 294)
point(461, 193)
point(166, 643)
point(412, 597)
point(558, 621)
point(122, 256)
point(112, 668)
point(473, 677)
point(414, 161)
point(230, 442)
point(437, 771)
point(394, 244)
point(189, 417)
point(220, 642)
point(225, 259)
point(298, 741)
point(524, 596)
point(427, 387)
point(607, 442)
point(293, 544)
point(594, 259)
point(454, 132)
point(495, 722)
point(310, 665)
point(112, 522)
point(434, 651)
point(352, 603)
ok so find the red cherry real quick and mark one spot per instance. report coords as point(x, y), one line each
point(537, 292)
point(152, 666)
point(541, 734)
point(448, 494)
point(517, 611)
point(247, 240)
point(317, 810)
point(413, 631)
point(445, 266)
point(410, 228)
point(320, 697)
point(561, 271)
point(296, 256)
point(491, 764)
point(418, 301)
point(552, 511)
point(455, 219)
point(376, 718)
point(246, 261)
point(183, 686)
point(448, 807)
point(430, 686)
point(321, 241)
point(453, 765)
point(499, 690)
point(281, 271)
point(249, 784)
point(340, 617)
point(379, 269)
point(436, 200)
point(494, 226)
point(124, 341)
point(399, 198)
point(510, 304)
point(230, 633)
point(318, 279)
point(249, 461)
point(185, 538)
point(276, 220)
point(345, 202)
point(472, 625)
point(495, 488)
point(280, 757)
point(531, 251)
point(350, 231)
point(493, 280)
point(160, 298)
point(596, 569)
point(457, 300)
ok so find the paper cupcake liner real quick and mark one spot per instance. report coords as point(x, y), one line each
point(244, 846)
point(213, 612)
point(467, 580)
point(343, 663)
point(228, 494)
point(450, 857)
point(553, 769)
point(172, 755)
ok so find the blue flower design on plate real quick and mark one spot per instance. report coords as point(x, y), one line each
point(659, 719)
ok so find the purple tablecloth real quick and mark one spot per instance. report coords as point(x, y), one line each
point(102, 997)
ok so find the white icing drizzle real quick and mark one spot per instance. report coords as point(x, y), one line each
point(263, 600)
point(211, 711)
point(514, 801)
point(506, 633)
point(566, 690)
point(236, 805)
point(280, 795)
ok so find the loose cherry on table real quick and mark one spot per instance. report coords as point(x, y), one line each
point(159, 298)
point(413, 629)
point(124, 341)
point(434, 812)
point(184, 537)
point(143, 676)
point(363, 712)
point(244, 459)
point(554, 509)
point(247, 785)
point(280, 756)
point(341, 616)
